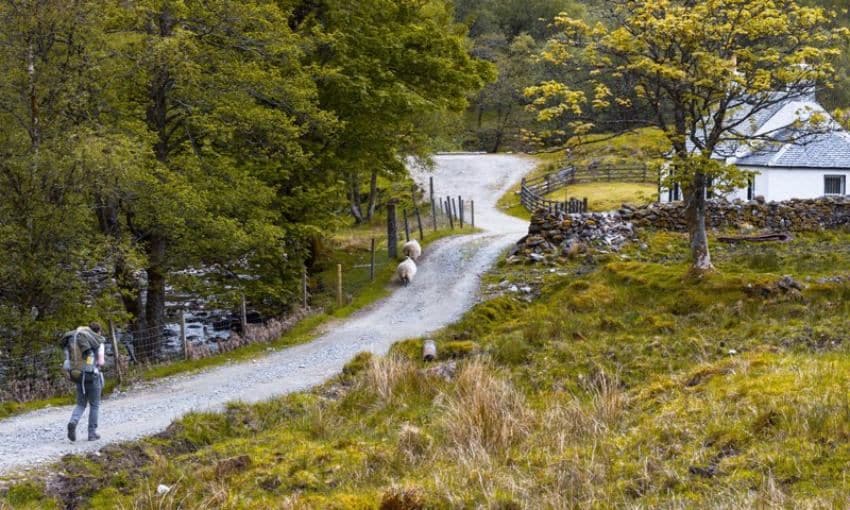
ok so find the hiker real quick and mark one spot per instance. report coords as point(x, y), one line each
point(84, 355)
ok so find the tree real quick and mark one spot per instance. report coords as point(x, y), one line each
point(216, 96)
point(504, 97)
point(383, 65)
point(702, 69)
point(49, 158)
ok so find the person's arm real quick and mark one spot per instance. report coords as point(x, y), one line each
point(101, 355)
point(67, 364)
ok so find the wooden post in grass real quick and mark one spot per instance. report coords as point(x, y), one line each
point(419, 223)
point(392, 233)
point(431, 187)
point(584, 205)
point(472, 212)
point(433, 214)
point(339, 284)
point(115, 351)
point(449, 211)
point(304, 283)
point(372, 263)
point(183, 340)
point(454, 208)
point(460, 210)
point(244, 317)
point(406, 226)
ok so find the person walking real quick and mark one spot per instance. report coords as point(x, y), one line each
point(84, 357)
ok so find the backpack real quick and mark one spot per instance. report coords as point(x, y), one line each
point(82, 345)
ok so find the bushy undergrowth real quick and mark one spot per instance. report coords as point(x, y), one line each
point(624, 384)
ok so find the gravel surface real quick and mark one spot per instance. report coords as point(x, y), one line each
point(445, 287)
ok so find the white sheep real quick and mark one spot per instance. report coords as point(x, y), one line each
point(412, 249)
point(406, 270)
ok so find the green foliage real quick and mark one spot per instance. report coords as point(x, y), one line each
point(154, 137)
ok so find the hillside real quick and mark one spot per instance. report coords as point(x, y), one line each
point(606, 381)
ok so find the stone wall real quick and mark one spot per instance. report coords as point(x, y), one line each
point(561, 234)
point(792, 215)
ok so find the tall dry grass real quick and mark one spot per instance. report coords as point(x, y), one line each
point(484, 413)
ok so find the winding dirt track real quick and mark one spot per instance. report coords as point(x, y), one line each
point(445, 287)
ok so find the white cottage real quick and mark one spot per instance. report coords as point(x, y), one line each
point(791, 156)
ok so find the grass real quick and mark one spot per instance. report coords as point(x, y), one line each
point(607, 196)
point(622, 384)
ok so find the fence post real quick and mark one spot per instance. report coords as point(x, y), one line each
point(115, 352)
point(244, 311)
point(419, 223)
point(433, 214)
point(431, 188)
point(339, 284)
point(406, 226)
point(472, 212)
point(183, 341)
point(449, 211)
point(392, 235)
point(460, 209)
point(372, 263)
point(584, 205)
point(304, 284)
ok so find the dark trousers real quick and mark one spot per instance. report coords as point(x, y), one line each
point(88, 393)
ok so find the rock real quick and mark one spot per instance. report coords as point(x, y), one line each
point(162, 489)
point(536, 257)
point(787, 283)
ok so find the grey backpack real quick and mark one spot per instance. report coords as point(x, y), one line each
point(82, 344)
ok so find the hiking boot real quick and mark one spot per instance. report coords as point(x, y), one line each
point(72, 431)
point(94, 436)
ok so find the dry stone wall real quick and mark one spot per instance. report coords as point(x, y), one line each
point(559, 234)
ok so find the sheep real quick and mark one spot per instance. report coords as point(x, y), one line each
point(406, 270)
point(412, 249)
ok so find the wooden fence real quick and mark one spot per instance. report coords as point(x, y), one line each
point(534, 191)
point(610, 173)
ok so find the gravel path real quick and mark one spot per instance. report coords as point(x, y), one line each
point(445, 287)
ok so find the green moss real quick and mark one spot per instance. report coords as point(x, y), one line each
point(357, 364)
point(457, 350)
point(28, 495)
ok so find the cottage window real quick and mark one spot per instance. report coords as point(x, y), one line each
point(833, 185)
point(673, 193)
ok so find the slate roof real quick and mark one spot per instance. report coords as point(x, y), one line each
point(786, 138)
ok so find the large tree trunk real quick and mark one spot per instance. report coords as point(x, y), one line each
point(695, 209)
point(373, 194)
point(149, 325)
